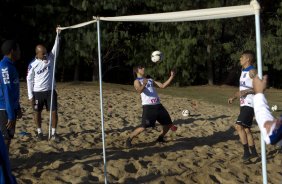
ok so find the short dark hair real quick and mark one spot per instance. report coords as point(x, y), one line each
point(250, 54)
point(8, 46)
point(135, 70)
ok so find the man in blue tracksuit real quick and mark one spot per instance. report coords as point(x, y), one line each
point(9, 90)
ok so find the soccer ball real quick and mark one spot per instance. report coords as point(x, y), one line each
point(157, 56)
point(185, 113)
point(274, 108)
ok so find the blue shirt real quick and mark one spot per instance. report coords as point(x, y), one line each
point(9, 88)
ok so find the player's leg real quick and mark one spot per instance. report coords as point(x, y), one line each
point(136, 132)
point(245, 120)
point(37, 107)
point(54, 121)
point(54, 136)
point(248, 122)
point(165, 120)
point(243, 139)
point(164, 132)
point(3, 128)
point(38, 120)
point(148, 120)
point(251, 142)
point(239, 126)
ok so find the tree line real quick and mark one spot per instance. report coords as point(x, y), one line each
point(202, 52)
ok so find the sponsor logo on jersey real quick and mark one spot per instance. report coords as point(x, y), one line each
point(43, 70)
point(242, 83)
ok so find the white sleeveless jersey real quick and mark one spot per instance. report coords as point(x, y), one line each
point(149, 95)
point(40, 73)
point(246, 82)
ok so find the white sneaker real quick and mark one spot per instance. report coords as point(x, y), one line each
point(55, 138)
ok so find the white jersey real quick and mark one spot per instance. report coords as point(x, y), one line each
point(40, 73)
point(149, 95)
point(246, 82)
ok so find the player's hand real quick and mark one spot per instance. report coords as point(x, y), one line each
point(230, 100)
point(145, 81)
point(19, 114)
point(259, 85)
point(58, 30)
point(32, 102)
point(172, 73)
point(11, 124)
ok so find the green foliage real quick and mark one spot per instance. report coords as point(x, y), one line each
point(272, 41)
point(188, 46)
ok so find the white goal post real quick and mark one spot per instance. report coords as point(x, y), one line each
point(181, 16)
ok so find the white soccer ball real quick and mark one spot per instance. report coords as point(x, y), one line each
point(274, 108)
point(185, 113)
point(157, 56)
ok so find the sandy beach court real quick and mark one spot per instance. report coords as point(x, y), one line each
point(205, 149)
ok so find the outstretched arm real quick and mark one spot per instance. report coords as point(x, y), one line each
point(56, 44)
point(166, 83)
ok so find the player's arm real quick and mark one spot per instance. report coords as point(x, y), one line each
point(166, 83)
point(8, 95)
point(30, 81)
point(140, 87)
point(56, 44)
point(252, 74)
point(246, 92)
point(234, 97)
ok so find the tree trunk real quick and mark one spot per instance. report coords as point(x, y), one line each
point(209, 60)
point(210, 66)
point(95, 75)
point(76, 71)
point(62, 77)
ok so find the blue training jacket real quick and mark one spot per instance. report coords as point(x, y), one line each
point(10, 88)
point(6, 176)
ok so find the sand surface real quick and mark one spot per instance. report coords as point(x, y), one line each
point(205, 149)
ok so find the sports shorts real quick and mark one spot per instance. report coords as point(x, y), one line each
point(153, 113)
point(246, 116)
point(42, 99)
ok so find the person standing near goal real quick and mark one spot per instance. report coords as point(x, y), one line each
point(246, 95)
point(39, 84)
point(10, 109)
point(153, 110)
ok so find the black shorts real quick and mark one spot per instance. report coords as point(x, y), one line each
point(42, 99)
point(153, 113)
point(246, 116)
point(8, 134)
